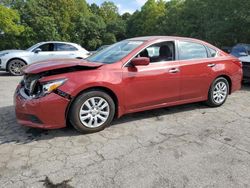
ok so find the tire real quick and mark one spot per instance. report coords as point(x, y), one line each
point(15, 67)
point(218, 92)
point(89, 118)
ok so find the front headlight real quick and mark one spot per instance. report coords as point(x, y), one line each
point(51, 86)
point(3, 54)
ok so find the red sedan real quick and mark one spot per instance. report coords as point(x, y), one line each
point(130, 76)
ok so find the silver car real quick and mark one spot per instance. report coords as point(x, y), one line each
point(12, 61)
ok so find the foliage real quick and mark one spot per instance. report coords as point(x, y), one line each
point(9, 21)
point(224, 22)
point(145, 22)
point(25, 22)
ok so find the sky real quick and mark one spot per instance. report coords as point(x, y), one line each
point(123, 5)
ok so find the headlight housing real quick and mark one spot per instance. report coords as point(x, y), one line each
point(36, 89)
point(3, 54)
point(49, 87)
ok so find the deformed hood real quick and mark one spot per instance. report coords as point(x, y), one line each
point(58, 64)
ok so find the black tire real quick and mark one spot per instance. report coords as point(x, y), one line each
point(211, 101)
point(74, 116)
point(14, 67)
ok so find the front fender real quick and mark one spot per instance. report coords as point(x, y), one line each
point(81, 81)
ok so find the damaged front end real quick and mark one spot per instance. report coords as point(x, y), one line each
point(40, 101)
point(32, 86)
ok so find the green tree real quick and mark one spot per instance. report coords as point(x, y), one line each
point(95, 9)
point(109, 11)
point(10, 28)
point(145, 22)
point(10, 21)
point(224, 22)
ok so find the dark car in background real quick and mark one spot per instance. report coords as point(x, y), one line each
point(242, 51)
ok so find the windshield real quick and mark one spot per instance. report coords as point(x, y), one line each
point(115, 52)
point(33, 47)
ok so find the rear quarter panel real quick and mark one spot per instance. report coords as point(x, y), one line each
point(227, 66)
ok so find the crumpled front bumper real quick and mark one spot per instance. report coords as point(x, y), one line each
point(47, 112)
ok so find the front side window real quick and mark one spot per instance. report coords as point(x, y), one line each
point(65, 47)
point(48, 47)
point(164, 51)
point(191, 50)
point(115, 52)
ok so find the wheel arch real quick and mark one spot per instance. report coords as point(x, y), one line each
point(228, 79)
point(8, 62)
point(107, 90)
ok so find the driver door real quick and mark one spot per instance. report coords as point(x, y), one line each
point(46, 53)
point(153, 85)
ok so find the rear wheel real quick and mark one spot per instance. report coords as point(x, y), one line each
point(92, 111)
point(218, 92)
point(15, 67)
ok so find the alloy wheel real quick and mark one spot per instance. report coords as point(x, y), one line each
point(220, 92)
point(94, 112)
point(15, 67)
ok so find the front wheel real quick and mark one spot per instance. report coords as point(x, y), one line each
point(92, 111)
point(15, 67)
point(218, 92)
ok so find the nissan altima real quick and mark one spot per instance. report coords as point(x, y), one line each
point(130, 76)
point(13, 61)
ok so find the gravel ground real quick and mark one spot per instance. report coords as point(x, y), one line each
point(185, 146)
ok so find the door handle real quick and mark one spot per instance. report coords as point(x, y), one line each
point(211, 65)
point(174, 70)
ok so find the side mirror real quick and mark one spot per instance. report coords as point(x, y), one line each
point(140, 61)
point(37, 50)
point(243, 54)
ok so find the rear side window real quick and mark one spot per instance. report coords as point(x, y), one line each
point(65, 47)
point(191, 50)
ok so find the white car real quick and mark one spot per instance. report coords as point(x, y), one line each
point(13, 60)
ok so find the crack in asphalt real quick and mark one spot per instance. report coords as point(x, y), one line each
point(159, 145)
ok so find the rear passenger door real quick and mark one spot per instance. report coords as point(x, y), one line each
point(195, 70)
point(65, 51)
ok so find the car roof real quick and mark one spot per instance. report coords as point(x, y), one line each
point(153, 38)
point(61, 42)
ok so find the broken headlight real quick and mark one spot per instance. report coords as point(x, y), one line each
point(49, 87)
